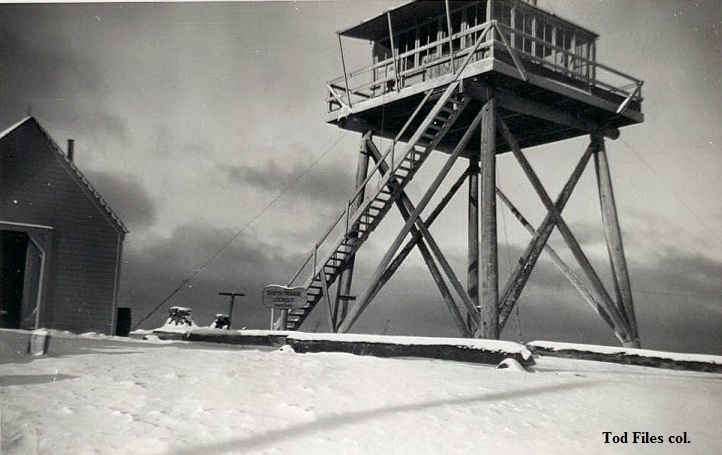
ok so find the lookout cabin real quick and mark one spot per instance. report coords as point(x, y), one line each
point(60, 243)
point(536, 62)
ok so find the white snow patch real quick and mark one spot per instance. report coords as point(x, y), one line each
point(251, 332)
point(156, 339)
point(183, 399)
point(242, 332)
point(510, 365)
point(173, 328)
point(285, 349)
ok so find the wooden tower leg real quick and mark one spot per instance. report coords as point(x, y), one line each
point(343, 290)
point(613, 235)
point(472, 281)
point(489, 257)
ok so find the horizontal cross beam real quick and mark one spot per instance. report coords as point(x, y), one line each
point(525, 106)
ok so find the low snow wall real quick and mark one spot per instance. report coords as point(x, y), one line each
point(242, 337)
point(237, 337)
point(460, 349)
point(629, 356)
point(463, 350)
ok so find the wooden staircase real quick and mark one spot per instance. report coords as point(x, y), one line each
point(447, 108)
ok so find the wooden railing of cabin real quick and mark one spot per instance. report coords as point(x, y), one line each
point(499, 41)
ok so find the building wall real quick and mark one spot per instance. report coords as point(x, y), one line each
point(38, 188)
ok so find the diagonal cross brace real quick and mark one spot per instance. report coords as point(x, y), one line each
point(332, 308)
point(419, 230)
point(364, 301)
point(511, 51)
point(563, 267)
point(522, 271)
point(622, 328)
point(416, 237)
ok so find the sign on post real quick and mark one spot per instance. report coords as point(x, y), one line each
point(282, 297)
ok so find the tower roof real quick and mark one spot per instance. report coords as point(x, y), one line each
point(418, 11)
point(405, 15)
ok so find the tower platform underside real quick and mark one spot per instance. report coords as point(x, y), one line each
point(546, 107)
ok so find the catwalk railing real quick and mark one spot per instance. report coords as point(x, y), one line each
point(491, 40)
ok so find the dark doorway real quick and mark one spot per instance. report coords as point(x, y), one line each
point(13, 258)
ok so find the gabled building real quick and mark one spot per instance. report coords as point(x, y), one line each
point(60, 243)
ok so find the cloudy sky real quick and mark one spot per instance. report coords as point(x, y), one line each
point(190, 119)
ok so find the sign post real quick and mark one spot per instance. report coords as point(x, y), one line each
point(233, 296)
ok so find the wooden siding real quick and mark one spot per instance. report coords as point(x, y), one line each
point(38, 187)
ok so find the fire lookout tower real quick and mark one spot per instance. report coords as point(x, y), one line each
point(471, 79)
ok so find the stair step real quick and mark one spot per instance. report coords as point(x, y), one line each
point(448, 105)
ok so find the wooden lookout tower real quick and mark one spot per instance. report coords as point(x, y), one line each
point(471, 79)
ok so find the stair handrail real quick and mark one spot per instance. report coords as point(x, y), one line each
point(391, 174)
point(314, 251)
point(357, 90)
point(350, 221)
point(300, 269)
point(375, 169)
point(392, 169)
point(457, 74)
point(482, 38)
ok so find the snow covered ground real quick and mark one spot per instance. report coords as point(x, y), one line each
point(107, 395)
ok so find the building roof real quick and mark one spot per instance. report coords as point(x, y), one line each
point(73, 171)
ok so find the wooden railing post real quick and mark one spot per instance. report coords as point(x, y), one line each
point(315, 254)
point(345, 75)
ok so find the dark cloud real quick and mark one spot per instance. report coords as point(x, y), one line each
point(324, 184)
point(41, 70)
point(35, 66)
point(126, 197)
point(152, 272)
